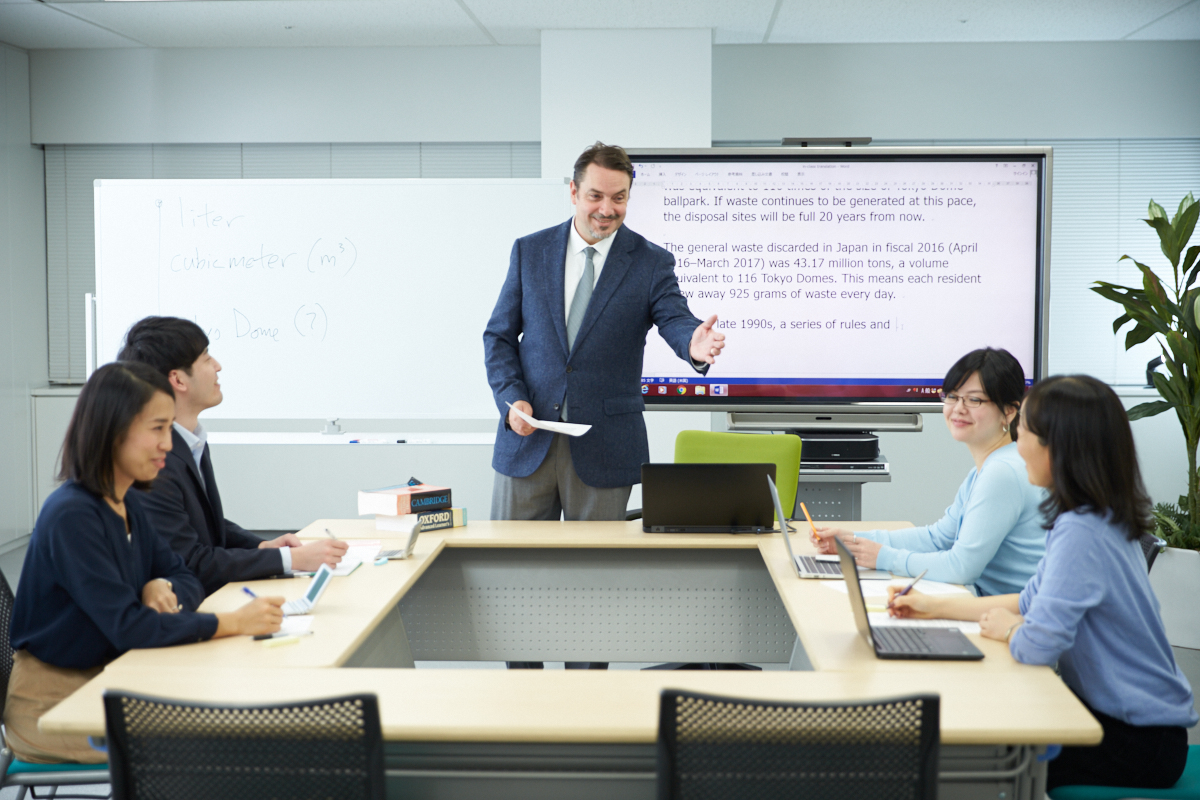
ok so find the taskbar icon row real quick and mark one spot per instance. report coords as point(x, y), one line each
point(687, 390)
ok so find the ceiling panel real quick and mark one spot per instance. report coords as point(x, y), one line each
point(264, 23)
point(1183, 23)
point(520, 21)
point(964, 20)
point(33, 26)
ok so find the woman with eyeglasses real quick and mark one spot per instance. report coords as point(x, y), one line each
point(991, 536)
point(1090, 608)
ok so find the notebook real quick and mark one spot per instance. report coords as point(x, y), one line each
point(931, 644)
point(707, 498)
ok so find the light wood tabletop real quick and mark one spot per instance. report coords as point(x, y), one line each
point(994, 701)
point(595, 706)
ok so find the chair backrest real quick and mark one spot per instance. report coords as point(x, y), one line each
point(7, 601)
point(709, 447)
point(760, 750)
point(308, 749)
point(1151, 547)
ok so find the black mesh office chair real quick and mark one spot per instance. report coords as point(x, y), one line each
point(303, 750)
point(721, 747)
point(1151, 547)
point(22, 773)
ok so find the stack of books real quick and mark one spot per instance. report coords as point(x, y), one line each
point(398, 508)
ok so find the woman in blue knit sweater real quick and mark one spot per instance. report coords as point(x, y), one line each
point(98, 580)
point(1089, 608)
point(991, 536)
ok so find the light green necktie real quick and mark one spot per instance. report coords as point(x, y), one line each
point(579, 304)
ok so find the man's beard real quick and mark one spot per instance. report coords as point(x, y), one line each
point(595, 234)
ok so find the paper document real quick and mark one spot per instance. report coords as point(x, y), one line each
point(569, 428)
point(880, 619)
point(879, 588)
point(360, 551)
point(295, 625)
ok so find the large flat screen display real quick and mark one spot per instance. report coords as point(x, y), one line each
point(845, 277)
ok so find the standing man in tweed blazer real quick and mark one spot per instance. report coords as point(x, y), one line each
point(566, 341)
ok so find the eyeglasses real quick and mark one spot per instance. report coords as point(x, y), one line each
point(969, 401)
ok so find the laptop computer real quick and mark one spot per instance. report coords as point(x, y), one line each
point(707, 498)
point(316, 587)
point(929, 644)
point(809, 567)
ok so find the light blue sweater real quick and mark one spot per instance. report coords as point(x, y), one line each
point(991, 536)
point(1090, 608)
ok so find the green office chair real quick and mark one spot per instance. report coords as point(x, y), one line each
point(23, 774)
point(707, 447)
point(1186, 788)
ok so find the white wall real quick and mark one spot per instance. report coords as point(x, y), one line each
point(1084, 90)
point(397, 94)
point(976, 91)
point(23, 355)
point(635, 88)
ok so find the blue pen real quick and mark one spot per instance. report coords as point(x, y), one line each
point(250, 592)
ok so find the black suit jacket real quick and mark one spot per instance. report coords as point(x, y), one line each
point(192, 519)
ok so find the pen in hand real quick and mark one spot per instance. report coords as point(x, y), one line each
point(906, 589)
point(250, 592)
point(329, 533)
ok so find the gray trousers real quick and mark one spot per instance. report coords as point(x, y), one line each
point(552, 492)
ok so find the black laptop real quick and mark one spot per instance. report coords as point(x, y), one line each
point(707, 498)
point(931, 644)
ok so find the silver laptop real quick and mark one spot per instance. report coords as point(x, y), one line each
point(807, 566)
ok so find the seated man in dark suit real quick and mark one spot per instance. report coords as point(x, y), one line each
point(184, 504)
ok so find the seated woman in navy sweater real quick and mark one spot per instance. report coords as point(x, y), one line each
point(1089, 608)
point(97, 579)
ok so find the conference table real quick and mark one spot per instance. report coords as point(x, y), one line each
point(588, 591)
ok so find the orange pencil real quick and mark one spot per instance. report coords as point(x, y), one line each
point(807, 516)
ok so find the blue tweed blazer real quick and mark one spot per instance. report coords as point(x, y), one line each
point(525, 344)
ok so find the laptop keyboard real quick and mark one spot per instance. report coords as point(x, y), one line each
point(813, 567)
point(900, 640)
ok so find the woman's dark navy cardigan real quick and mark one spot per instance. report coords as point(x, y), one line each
point(79, 602)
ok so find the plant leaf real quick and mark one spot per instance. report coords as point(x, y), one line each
point(1155, 210)
point(1149, 409)
point(1188, 200)
point(1190, 264)
point(1184, 223)
point(1139, 334)
point(1121, 320)
point(1166, 238)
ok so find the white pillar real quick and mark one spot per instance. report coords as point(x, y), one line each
point(634, 88)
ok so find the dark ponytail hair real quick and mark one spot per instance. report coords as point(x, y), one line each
point(1000, 373)
point(109, 403)
point(1093, 463)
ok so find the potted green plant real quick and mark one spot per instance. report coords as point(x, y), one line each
point(1170, 312)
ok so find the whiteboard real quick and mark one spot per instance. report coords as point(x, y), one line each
point(357, 299)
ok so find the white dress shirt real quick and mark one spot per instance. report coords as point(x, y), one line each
point(575, 261)
point(195, 441)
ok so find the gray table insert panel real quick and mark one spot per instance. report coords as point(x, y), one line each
point(593, 604)
point(498, 771)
